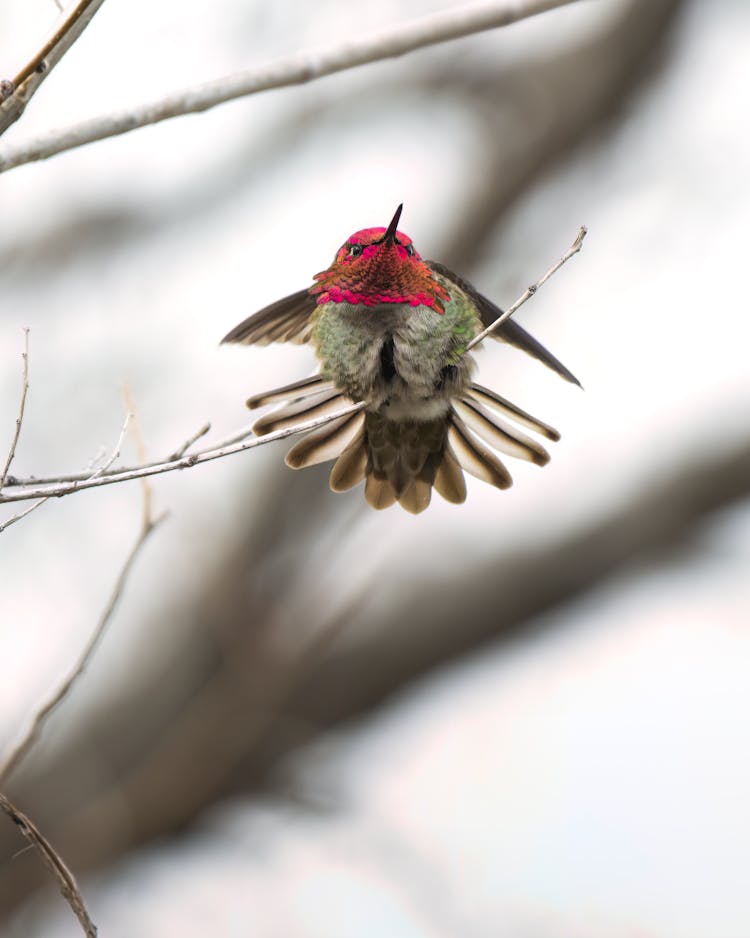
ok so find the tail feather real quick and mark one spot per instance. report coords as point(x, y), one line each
point(500, 435)
point(416, 496)
point(379, 492)
point(474, 456)
point(327, 442)
point(509, 409)
point(290, 392)
point(449, 478)
point(301, 410)
point(351, 466)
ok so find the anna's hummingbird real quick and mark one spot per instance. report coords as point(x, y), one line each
point(391, 330)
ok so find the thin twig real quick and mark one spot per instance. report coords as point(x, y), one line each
point(95, 475)
point(34, 490)
point(140, 449)
point(116, 451)
point(20, 750)
point(291, 70)
point(190, 440)
point(22, 514)
point(19, 419)
point(54, 863)
point(574, 248)
point(15, 94)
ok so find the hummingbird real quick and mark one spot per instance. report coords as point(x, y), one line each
point(390, 331)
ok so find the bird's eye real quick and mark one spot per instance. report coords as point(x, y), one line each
point(410, 250)
point(355, 250)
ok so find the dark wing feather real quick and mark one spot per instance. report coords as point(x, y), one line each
point(509, 331)
point(286, 320)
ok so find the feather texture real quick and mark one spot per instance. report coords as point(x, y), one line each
point(290, 392)
point(416, 496)
point(286, 320)
point(351, 466)
point(475, 457)
point(498, 434)
point(449, 478)
point(300, 411)
point(379, 492)
point(327, 442)
point(508, 409)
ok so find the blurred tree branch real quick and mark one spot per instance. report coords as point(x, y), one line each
point(292, 70)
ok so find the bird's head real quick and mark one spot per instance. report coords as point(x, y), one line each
point(379, 265)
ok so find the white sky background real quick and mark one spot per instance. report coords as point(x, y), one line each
point(592, 782)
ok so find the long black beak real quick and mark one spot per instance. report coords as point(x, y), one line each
point(390, 236)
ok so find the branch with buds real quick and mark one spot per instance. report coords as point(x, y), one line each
point(18, 490)
point(291, 70)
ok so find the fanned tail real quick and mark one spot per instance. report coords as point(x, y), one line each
point(403, 460)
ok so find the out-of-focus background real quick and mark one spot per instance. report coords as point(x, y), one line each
point(526, 716)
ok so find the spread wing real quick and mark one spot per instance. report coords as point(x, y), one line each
point(286, 320)
point(509, 331)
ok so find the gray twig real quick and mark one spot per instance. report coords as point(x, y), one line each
point(94, 475)
point(21, 409)
point(574, 248)
point(23, 514)
point(189, 442)
point(20, 750)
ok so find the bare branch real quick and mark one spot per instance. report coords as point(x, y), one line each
point(15, 94)
point(33, 489)
point(54, 863)
point(574, 248)
point(290, 70)
point(21, 409)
